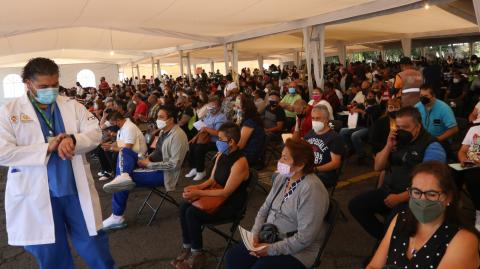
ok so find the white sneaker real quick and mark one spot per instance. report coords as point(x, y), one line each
point(114, 222)
point(192, 173)
point(199, 176)
point(101, 173)
point(103, 178)
point(122, 182)
point(477, 220)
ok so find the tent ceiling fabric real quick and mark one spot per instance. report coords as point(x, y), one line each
point(87, 30)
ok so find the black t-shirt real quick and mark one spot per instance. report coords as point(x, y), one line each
point(187, 111)
point(271, 117)
point(324, 144)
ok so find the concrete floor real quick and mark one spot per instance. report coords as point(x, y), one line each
point(142, 246)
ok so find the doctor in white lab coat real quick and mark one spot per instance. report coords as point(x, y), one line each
point(50, 194)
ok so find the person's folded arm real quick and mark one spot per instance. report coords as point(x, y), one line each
point(332, 165)
point(448, 133)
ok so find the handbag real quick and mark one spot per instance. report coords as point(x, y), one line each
point(269, 232)
point(210, 204)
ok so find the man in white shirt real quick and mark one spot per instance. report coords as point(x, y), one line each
point(130, 142)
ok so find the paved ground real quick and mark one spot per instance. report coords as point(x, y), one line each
point(141, 246)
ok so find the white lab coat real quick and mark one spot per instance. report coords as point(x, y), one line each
point(22, 147)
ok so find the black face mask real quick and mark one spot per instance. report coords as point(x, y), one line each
point(425, 100)
point(392, 114)
point(403, 137)
point(273, 103)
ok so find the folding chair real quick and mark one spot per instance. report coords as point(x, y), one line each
point(164, 197)
point(338, 173)
point(235, 221)
point(330, 220)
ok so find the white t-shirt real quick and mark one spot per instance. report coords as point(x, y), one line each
point(324, 103)
point(131, 134)
point(359, 98)
point(472, 139)
point(339, 95)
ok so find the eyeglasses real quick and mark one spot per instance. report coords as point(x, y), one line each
point(429, 195)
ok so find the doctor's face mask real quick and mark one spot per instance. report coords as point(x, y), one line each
point(44, 88)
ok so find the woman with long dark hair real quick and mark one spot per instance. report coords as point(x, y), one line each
point(429, 234)
point(252, 140)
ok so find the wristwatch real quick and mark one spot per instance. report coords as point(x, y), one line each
point(73, 138)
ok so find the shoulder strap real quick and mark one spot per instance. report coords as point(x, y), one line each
point(274, 197)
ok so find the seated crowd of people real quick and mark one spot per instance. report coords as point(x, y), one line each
point(409, 118)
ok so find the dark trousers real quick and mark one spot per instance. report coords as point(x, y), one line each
point(471, 179)
point(105, 163)
point(239, 257)
point(192, 219)
point(365, 207)
point(197, 153)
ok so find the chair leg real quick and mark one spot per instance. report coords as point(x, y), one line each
point(229, 242)
point(155, 210)
point(145, 202)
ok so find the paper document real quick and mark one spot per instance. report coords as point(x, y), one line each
point(247, 238)
point(352, 120)
point(199, 125)
point(458, 166)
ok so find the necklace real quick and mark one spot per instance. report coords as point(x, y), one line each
point(413, 239)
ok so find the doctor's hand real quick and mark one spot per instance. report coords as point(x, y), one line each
point(53, 144)
point(66, 148)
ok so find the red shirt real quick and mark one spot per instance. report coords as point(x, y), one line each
point(141, 109)
point(305, 123)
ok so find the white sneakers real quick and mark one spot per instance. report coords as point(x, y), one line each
point(104, 175)
point(477, 220)
point(199, 176)
point(122, 182)
point(114, 222)
point(192, 173)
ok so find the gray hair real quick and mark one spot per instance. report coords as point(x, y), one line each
point(323, 109)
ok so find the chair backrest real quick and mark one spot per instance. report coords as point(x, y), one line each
point(252, 182)
point(330, 220)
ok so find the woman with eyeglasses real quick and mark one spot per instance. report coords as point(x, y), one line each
point(429, 233)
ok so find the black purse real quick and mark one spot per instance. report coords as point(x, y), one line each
point(269, 233)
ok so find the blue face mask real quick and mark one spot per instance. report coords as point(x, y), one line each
point(47, 96)
point(292, 90)
point(222, 147)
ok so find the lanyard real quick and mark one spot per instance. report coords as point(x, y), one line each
point(44, 117)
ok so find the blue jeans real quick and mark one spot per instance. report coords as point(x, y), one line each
point(127, 162)
point(353, 138)
point(239, 257)
point(69, 223)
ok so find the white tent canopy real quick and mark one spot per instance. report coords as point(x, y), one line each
point(134, 31)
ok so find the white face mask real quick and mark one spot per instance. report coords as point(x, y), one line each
point(317, 126)
point(161, 124)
